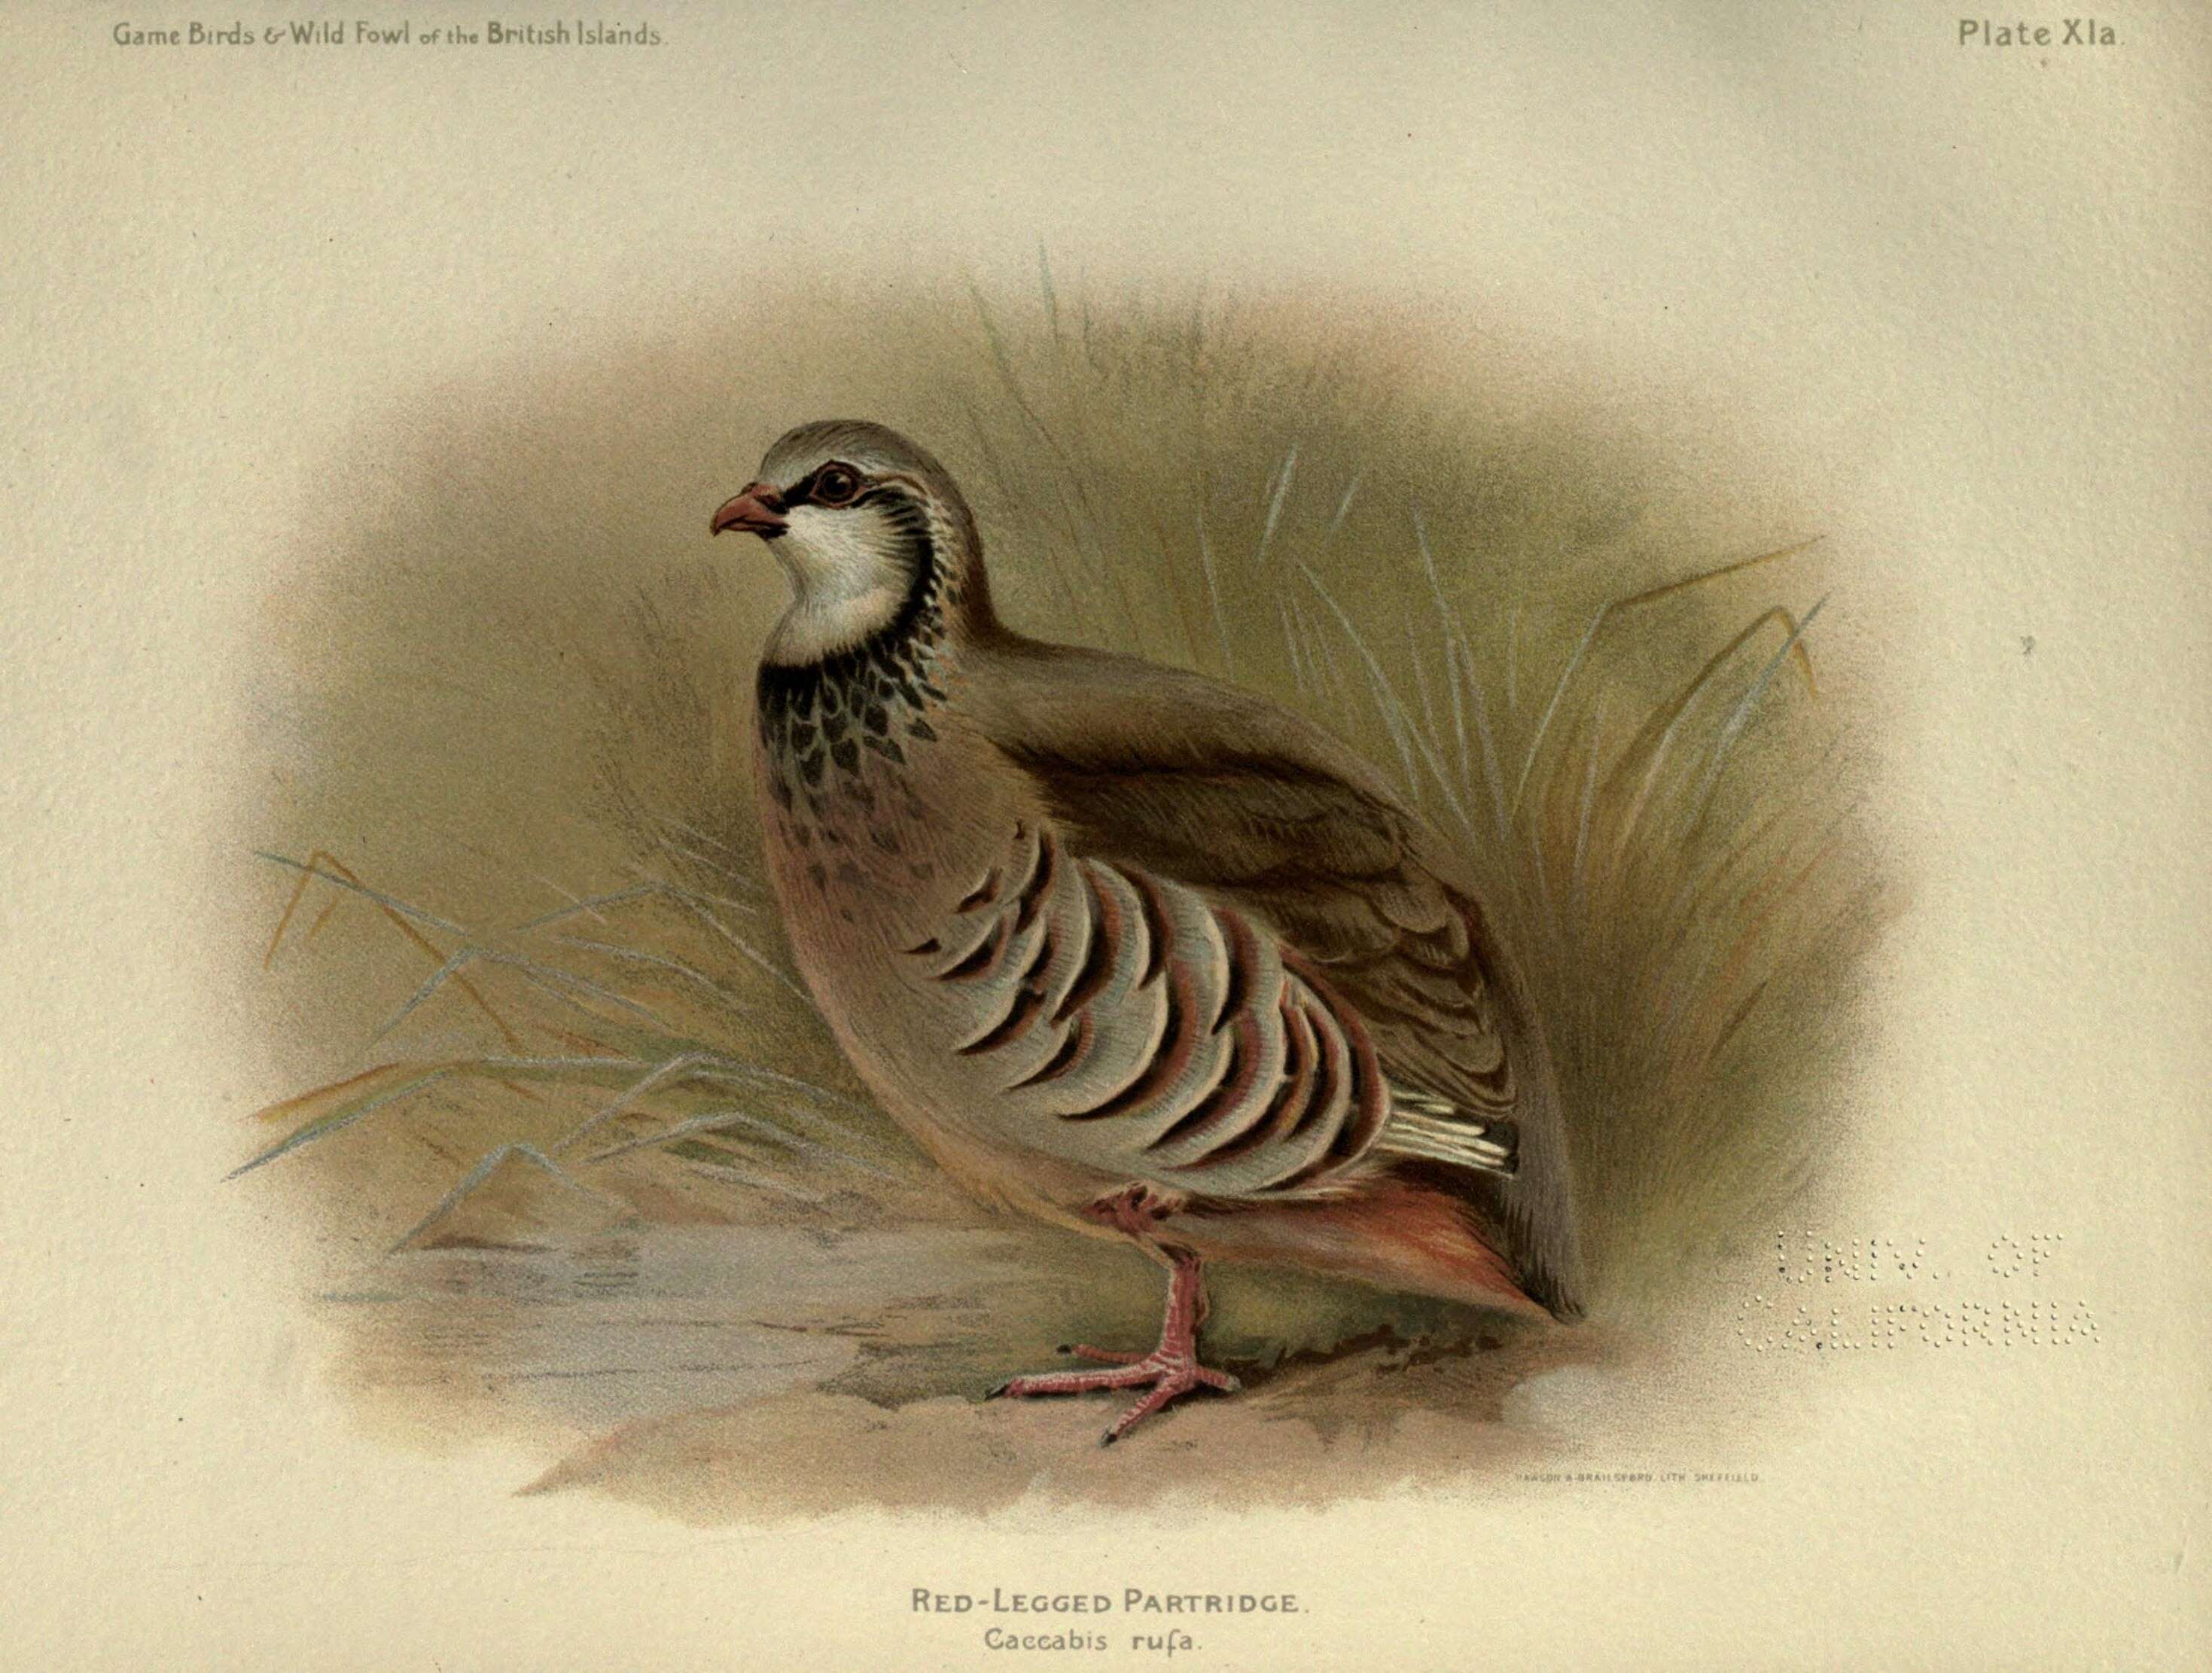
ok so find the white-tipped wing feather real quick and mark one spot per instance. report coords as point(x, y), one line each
point(1127, 1026)
point(1396, 995)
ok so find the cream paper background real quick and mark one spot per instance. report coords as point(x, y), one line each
point(1962, 288)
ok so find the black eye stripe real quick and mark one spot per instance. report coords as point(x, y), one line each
point(890, 494)
point(808, 490)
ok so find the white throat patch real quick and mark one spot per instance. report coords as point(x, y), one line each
point(849, 574)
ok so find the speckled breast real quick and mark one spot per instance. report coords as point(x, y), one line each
point(1000, 990)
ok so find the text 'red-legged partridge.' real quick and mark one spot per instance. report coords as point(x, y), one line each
point(1125, 947)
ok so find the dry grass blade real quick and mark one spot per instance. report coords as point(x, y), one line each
point(365, 1093)
point(1213, 597)
point(1646, 755)
point(1671, 588)
point(1493, 780)
point(476, 1176)
point(1612, 609)
point(1732, 728)
point(1551, 709)
point(310, 870)
point(561, 985)
point(699, 1065)
point(1279, 491)
point(1578, 895)
point(345, 1118)
point(321, 863)
point(1299, 679)
point(697, 904)
point(726, 1120)
point(629, 955)
point(1403, 732)
point(1391, 711)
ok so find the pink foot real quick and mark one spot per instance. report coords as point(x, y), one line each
point(1164, 1376)
point(1168, 1372)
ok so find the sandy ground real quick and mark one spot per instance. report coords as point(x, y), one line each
point(785, 1362)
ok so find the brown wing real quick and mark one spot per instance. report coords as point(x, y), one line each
point(1256, 808)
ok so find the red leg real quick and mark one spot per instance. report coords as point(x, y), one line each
point(1171, 1369)
point(1101, 1356)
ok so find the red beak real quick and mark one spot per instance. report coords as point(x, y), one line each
point(758, 510)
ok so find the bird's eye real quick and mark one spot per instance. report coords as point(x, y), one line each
point(835, 484)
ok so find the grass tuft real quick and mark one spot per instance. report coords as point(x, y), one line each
point(1542, 632)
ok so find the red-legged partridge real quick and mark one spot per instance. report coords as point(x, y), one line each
point(1126, 948)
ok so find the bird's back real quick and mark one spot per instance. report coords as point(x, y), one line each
point(1293, 880)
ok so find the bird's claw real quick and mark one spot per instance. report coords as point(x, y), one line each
point(1164, 1376)
point(1171, 1369)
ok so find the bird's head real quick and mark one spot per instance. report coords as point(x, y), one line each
point(873, 532)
